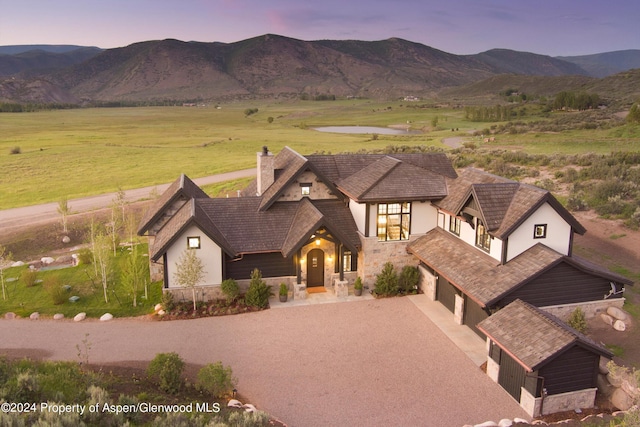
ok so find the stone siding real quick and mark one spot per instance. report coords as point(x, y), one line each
point(561, 402)
point(375, 254)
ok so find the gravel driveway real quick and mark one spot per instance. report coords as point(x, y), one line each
point(365, 363)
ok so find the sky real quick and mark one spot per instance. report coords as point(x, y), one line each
point(549, 27)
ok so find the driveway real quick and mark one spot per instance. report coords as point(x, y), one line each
point(365, 363)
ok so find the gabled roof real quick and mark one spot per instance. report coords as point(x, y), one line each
point(181, 188)
point(503, 204)
point(534, 337)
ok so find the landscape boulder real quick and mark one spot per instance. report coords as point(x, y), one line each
point(617, 313)
point(106, 317)
point(46, 260)
point(66, 239)
point(621, 400)
point(607, 319)
point(58, 316)
point(80, 317)
point(34, 316)
point(157, 307)
point(619, 325)
point(9, 315)
point(17, 264)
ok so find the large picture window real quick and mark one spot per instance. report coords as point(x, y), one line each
point(394, 221)
point(483, 239)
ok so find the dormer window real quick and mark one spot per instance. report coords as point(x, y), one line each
point(193, 242)
point(540, 231)
point(454, 225)
point(483, 239)
point(305, 188)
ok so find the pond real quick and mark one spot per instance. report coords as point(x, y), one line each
point(366, 129)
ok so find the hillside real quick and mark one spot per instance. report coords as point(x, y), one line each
point(264, 66)
point(607, 63)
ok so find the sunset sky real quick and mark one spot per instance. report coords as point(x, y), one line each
point(550, 27)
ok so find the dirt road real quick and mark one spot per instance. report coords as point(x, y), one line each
point(36, 214)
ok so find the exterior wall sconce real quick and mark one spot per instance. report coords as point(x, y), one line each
point(317, 242)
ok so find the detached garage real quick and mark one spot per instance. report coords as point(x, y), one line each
point(546, 365)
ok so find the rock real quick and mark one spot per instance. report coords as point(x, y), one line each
point(617, 313)
point(619, 325)
point(9, 315)
point(66, 239)
point(520, 421)
point(621, 400)
point(248, 407)
point(614, 381)
point(46, 260)
point(604, 386)
point(80, 317)
point(505, 422)
point(106, 317)
point(607, 319)
point(603, 366)
point(65, 259)
point(233, 403)
point(17, 264)
point(157, 308)
point(161, 313)
point(34, 316)
point(58, 316)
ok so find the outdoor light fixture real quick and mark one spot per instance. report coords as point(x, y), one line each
point(317, 242)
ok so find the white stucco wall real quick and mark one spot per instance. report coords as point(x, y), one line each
point(424, 217)
point(558, 233)
point(359, 213)
point(468, 235)
point(209, 253)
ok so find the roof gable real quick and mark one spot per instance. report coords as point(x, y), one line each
point(532, 336)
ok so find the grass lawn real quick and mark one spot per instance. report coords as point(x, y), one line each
point(24, 300)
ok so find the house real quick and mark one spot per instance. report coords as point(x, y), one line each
point(543, 363)
point(491, 250)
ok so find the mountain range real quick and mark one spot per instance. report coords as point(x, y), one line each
point(270, 66)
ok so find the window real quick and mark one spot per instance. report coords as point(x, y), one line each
point(540, 231)
point(394, 221)
point(193, 242)
point(346, 261)
point(305, 188)
point(454, 225)
point(483, 239)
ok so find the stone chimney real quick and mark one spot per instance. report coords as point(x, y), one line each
point(266, 174)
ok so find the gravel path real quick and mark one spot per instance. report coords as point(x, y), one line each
point(365, 363)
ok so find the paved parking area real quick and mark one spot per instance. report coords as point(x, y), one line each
point(362, 363)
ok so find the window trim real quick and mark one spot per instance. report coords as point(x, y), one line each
point(455, 224)
point(382, 230)
point(305, 188)
point(543, 227)
point(194, 239)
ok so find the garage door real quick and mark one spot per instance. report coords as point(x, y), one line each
point(446, 294)
point(473, 314)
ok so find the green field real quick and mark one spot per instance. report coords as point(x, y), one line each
point(80, 152)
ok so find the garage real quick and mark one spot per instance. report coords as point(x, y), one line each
point(446, 294)
point(473, 314)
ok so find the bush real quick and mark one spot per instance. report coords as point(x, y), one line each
point(85, 256)
point(577, 320)
point(28, 277)
point(167, 301)
point(55, 290)
point(358, 283)
point(387, 281)
point(230, 289)
point(166, 369)
point(15, 150)
point(409, 279)
point(216, 379)
point(259, 292)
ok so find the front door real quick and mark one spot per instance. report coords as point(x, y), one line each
point(315, 268)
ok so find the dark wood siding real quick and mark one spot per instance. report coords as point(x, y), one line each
point(270, 264)
point(473, 314)
point(512, 376)
point(575, 369)
point(562, 284)
point(446, 293)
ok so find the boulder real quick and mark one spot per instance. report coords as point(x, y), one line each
point(616, 313)
point(58, 316)
point(607, 319)
point(621, 400)
point(161, 313)
point(17, 264)
point(602, 366)
point(520, 421)
point(157, 308)
point(604, 386)
point(80, 317)
point(66, 239)
point(619, 325)
point(9, 315)
point(106, 317)
point(505, 422)
point(34, 316)
point(46, 260)
point(234, 403)
point(487, 424)
point(65, 259)
point(248, 407)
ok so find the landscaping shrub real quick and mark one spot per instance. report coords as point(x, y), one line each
point(85, 256)
point(216, 379)
point(387, 281)
point(166, 369)
point(28, 277)
point(230, 289)
point(577, 320)
point(409, 279)
point(15, 150)
point(167, 301)
point(259, 292)
point(55, 290)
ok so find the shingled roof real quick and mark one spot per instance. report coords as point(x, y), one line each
point(182, 188)
point(503, 204)
point(532, 336)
